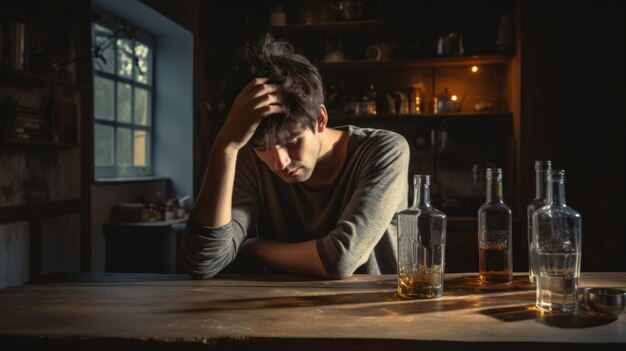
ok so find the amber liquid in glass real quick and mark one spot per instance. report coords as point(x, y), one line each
point(424, 283)
point(493, 264)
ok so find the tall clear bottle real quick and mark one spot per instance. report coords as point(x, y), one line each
point(421, 245)
point(541, 167)
point(557, 232)
point(495, 238)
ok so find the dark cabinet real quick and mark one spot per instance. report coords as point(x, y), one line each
point(150, 247)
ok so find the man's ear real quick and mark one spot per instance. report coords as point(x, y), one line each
point(322, 119)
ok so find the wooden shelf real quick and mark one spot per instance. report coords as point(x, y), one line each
point(28, 79)
point(149, 224)
point(426, 116)
point(38, 210)
point(335, 25)
point(429, 62)
point(39, 143)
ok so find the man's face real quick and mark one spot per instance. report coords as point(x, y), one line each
point(295, 160)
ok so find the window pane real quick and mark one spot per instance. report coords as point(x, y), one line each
point(124, 58)
point(103, 29)
point(103, 101)
point(104, 50)
point(123, 102)
point(142, 148)
point(103, 145)
point(141, 107)
point(122, 150)
point(143, 54)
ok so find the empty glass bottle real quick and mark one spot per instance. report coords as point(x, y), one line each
point(495, 238)
point(557, 230)
point(541, 166)
point(421, 245)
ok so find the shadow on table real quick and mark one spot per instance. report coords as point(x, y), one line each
point(459, 293)
point(579, 319)
point(512, 313)
point(464, 285)
point(296, 301)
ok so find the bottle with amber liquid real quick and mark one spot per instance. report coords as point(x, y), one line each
point(495, 238)
point(421, 245)
point(541, 167)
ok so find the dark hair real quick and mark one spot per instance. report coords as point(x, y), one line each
point(300, 88)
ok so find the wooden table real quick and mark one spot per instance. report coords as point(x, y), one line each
point(170, 312)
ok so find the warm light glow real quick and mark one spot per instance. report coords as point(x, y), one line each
point(474, 69)
point(454, 98)
point(139, 158)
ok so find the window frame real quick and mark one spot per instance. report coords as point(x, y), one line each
point(117, 25)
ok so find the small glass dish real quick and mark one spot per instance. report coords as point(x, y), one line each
point(603, 302)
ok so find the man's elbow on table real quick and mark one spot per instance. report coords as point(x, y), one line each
point(341, 274)
point(199, 269)
point(203, 264)
point(341, 269)
point(338, 264)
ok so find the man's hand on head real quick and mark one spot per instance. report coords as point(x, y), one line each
point(256, 101)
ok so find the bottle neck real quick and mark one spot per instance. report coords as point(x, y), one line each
point(494, 190)
point(421, 195)
point(555, 192)
point(421, 191)
point(540, 184)
point(541, 169)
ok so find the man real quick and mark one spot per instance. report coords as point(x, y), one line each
point(287, 192)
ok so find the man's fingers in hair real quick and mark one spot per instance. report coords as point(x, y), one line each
point(271, 109)
point(252, 87)
point(264, 100)
point(263, 89)
point(257, 82)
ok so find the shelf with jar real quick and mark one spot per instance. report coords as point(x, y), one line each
point(40, 99)
point(338, 117)
point(428, 62)
point(40, 107)
point(413, 30)
point(405, 50)
point(27, 79)
point(38, 46)
point(44, 116)
point(478, 90)
point(453, 57)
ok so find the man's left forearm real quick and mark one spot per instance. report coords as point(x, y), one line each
point(298, 258)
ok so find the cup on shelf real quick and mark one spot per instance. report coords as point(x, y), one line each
point(450, 44)
point(378, 52)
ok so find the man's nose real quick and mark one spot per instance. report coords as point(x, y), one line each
point(281, 158)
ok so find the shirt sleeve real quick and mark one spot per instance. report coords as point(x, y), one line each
point(380, 192)
point(206, 251)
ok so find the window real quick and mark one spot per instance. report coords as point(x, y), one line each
point(123, 99)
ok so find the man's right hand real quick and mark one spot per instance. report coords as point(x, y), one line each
point(256, 101)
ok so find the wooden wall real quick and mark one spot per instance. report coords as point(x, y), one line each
point(573, 89)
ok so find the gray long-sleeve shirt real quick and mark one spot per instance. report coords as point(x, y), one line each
point(352, 219)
